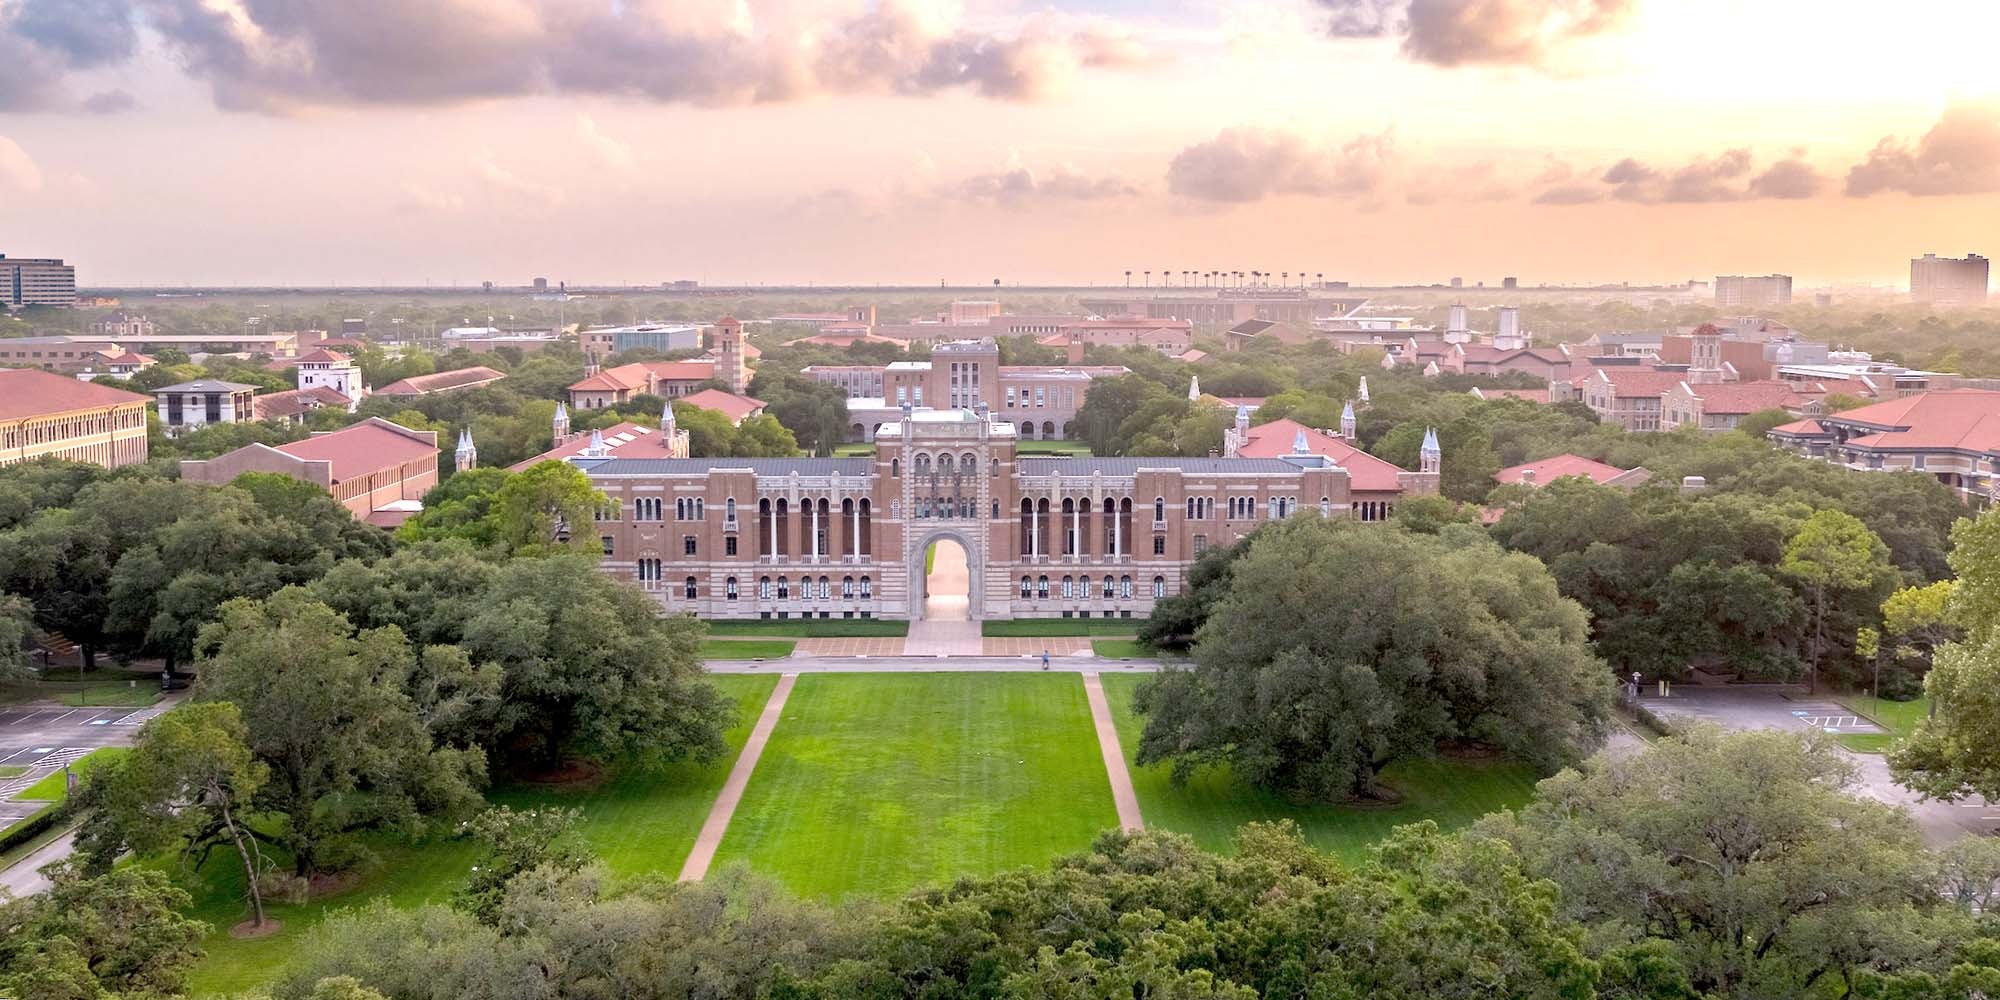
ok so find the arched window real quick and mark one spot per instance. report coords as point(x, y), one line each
point(825, 588)
point(1125, 587)
point(1159, 587)
point(922, 464)
point(729, 588)
point(1048, 428)
point(764, 587)
point(847, 587)
point(1027, 588)
point(895, 467)
point(996, 468)
point(1190, 508)
point(1159, 508)
point(1108, 591)
point(1326, 506)
point(996, 510)
point(1028, 430)
point(867, 589)
point(1041, 586)
point(688, 588)
point(784, 589)
point(968, 464)
point(729, 510)
point(1069, 588)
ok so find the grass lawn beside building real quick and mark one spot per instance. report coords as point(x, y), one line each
point(747, 649)
point(637, 823)
point(1211, 806)
point(876, 783)
point(1058, 628)
point(808, 628)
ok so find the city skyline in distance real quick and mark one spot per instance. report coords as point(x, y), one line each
point(452, 142)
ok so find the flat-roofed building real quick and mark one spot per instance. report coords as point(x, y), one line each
point(56, 353)
point(36, 281)
point(378, 470)
point(604, 341)
point(1950, 281)
point(1739, 291)
point(122, 324)
point(193, 405)
point(43, 414)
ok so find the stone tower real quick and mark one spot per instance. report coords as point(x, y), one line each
point(729, 367)
point(1705, 355)
point(467, 457)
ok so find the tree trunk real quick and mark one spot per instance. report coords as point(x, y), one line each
point(249, 867)
point(89, 657)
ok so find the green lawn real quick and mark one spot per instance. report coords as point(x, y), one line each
point(1123, 649)
point(747, 649)
point(636, 823)
point(12, 770)
point(854, 449)
point(1059, 628)
point(809, 628)
point(1210, 807)
point(875, 783)
point(1899, 717)
point(129, 695)
point(55, 787)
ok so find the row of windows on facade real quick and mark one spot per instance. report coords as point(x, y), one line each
point(1198, 508)
point(1078, 588)
point(53, 429)
point(648, 573)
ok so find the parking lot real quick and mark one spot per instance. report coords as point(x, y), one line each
point(44, 739)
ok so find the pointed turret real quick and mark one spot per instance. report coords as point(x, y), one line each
point(1363, 392)
point(1194, 388)
point(667, 417)
point(596, 448)
point(1347, 420)
point(1299, 446)
point(467, 455)
point(1243, 422)
point(561, 424)
point(1430, 456)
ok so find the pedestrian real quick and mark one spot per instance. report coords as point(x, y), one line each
point(1045, 659)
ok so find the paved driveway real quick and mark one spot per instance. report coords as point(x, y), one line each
point(1770, 708)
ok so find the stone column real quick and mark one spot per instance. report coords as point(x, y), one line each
point(771, 529)
point(1117, 530)
point(812, 525)
point(855, 529)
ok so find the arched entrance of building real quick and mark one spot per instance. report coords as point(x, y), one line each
point(946, 572)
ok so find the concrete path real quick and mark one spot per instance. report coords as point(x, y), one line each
point(24, 877)
point(1122, 793)
point(717, 824)
point(851, 646)
point(935, 638)
point(929, 664)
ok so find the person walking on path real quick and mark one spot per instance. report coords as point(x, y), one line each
point(1045, 658)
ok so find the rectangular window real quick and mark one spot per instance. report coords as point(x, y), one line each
point(1160, 546)
point(1200, 544)
point(687, 545)
point(729, 546)
point(606, 539)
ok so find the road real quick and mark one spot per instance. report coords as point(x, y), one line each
point(42, 738)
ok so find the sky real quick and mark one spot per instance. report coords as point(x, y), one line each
point(366, 142)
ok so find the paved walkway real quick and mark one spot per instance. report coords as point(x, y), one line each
point(876, 646)
point(932, 637)
point(717, 823)
point(24, 877)
point(1122, 793)
point(1069, 646)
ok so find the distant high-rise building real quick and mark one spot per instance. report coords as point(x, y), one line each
point(541, 284)
point(1735, 291)
point(1949, 281)
point(1510, 282)
point(32, 281)
point(1458, 282)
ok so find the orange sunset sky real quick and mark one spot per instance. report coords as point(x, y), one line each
point(1375, 141)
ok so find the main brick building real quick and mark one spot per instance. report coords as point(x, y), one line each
point(1043, 537)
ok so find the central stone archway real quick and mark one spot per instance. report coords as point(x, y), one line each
point(948, 569)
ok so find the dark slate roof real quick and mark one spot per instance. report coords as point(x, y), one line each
point(696, 466)
point(1128, 466)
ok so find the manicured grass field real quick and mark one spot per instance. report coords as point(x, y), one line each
point(1058, 628)
point(747, 649)
point(55, 787)
point(1899, 717)
point(1211, 805)
point(142, 694)
point(636, 823)
point(875, 783)
point(1041, 447)
point(1123, 649)
point(809, 628)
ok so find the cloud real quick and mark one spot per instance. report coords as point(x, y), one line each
point(1959, 155)
point(1481, 180)
point(1478, 32)
point(487, 167)
point(18, 172)
point(1788, 179)
point(1251, 164)
point(1726, 176)
point(109, 102)
point(278, 55)
point(1016, 183)
point(610, 152)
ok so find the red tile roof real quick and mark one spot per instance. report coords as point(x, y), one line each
point(1746, 397)
point(625, 440)
point(1548, 470)
point(292, 402)
point(323, 356)
point(32, 392)
point(424, 385)
point(1807, 426)
point(1364, 471)
point(730, 405)
point(1640, 382)
point(359, 449)
point(632, 377)
point(1964, 419)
